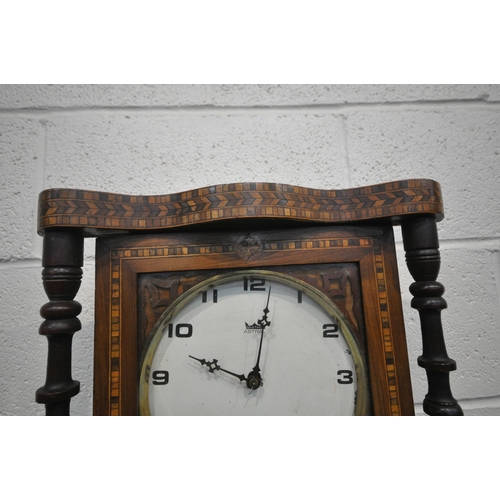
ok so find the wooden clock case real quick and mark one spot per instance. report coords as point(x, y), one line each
point(151, 249)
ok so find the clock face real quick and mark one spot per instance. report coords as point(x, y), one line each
point(252, 343)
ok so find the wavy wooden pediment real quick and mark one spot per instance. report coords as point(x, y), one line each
point(100, 212)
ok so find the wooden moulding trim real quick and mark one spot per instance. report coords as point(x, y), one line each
point(127, 258)
point(100, 211)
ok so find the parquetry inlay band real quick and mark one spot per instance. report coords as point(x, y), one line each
point(94, 210)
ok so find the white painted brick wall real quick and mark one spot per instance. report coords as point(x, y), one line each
point(154, 139)
point(159, 152)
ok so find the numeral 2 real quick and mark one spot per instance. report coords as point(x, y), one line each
point(330, 330)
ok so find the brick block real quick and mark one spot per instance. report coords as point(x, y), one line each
point(159, 154)
point(459, 147)
point(315, 94)
point(22, 350)
point(470, 323)
point(23, 353)
point(18, 164)
point(90, 96)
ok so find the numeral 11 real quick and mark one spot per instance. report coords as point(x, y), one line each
point(204, 296)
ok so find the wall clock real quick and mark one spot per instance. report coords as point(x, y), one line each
point(246, 299)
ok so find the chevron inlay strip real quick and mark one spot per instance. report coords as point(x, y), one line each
point(73, 208)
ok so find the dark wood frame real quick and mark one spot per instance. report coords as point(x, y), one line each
point(117, 350)
point(67, 216)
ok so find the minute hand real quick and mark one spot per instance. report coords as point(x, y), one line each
point(254, 375)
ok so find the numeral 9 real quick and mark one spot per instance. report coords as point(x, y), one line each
point(160, 377)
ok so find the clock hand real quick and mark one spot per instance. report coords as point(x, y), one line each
point(254, 379)
point(214, 365)
point(264, 322)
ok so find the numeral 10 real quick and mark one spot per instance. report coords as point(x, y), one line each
point(182, 330)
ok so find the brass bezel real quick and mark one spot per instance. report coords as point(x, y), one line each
point(362, 394)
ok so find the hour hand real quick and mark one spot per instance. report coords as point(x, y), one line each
point(214, 365)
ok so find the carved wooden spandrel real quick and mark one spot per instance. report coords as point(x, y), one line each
point(158, 291)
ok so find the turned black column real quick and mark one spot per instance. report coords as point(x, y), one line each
point(62, 261)
point(421, 245)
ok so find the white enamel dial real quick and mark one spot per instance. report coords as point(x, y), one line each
point(252, 343)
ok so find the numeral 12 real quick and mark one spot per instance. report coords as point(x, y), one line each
point(254, 284)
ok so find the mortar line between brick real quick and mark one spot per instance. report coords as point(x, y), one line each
point(37, 262)
point(20, 264)
point(469, 404)
point(496, 272)
point(477, 243)
point(335, 108)
point(474, 403)
point(474, 243)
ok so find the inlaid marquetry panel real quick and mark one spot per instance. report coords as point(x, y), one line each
point(96, 211)
point(340, 281)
